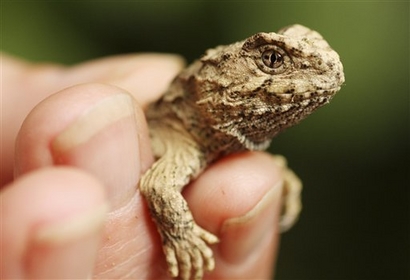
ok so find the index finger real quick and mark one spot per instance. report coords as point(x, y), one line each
point(145, 76)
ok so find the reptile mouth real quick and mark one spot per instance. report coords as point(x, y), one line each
point(298, 96)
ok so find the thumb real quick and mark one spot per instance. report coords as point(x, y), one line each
point(52, 220)
point(239, 197)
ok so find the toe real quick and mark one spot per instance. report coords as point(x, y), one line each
point(171, 261)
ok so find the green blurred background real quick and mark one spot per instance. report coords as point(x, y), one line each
point(353, 154)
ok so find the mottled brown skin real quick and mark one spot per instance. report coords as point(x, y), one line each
point(235, 98)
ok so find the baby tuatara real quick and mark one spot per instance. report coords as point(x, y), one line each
point(235, 98)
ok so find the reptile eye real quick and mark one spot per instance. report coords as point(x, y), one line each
point(272, 58)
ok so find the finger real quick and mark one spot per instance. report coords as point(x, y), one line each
point(18, 98)
point(105, 134)
point(95, 127)
point(244, 191)
point(146, 76)
point(52, 221)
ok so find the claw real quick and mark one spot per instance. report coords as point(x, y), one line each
point(189, 256)
point(184, 260)
point(197, 265)
point(205, 235)
point(209, 263)
point(171, 261)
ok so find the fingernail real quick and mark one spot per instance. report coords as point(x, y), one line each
point(73, 228)
point(245, 235)
point(105, 141)
point(101, 115)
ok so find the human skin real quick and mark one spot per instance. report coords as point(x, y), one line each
point(73, 209)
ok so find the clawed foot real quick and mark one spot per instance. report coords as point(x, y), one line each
point(188, 255)
point(291, 196)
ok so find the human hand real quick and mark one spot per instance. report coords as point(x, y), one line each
point(85, 147)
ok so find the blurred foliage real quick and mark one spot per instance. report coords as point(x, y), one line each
point(353, 154)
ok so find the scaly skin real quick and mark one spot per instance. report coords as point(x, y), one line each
point(235, 98)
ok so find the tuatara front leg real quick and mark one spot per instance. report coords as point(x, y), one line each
point(184, 242)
